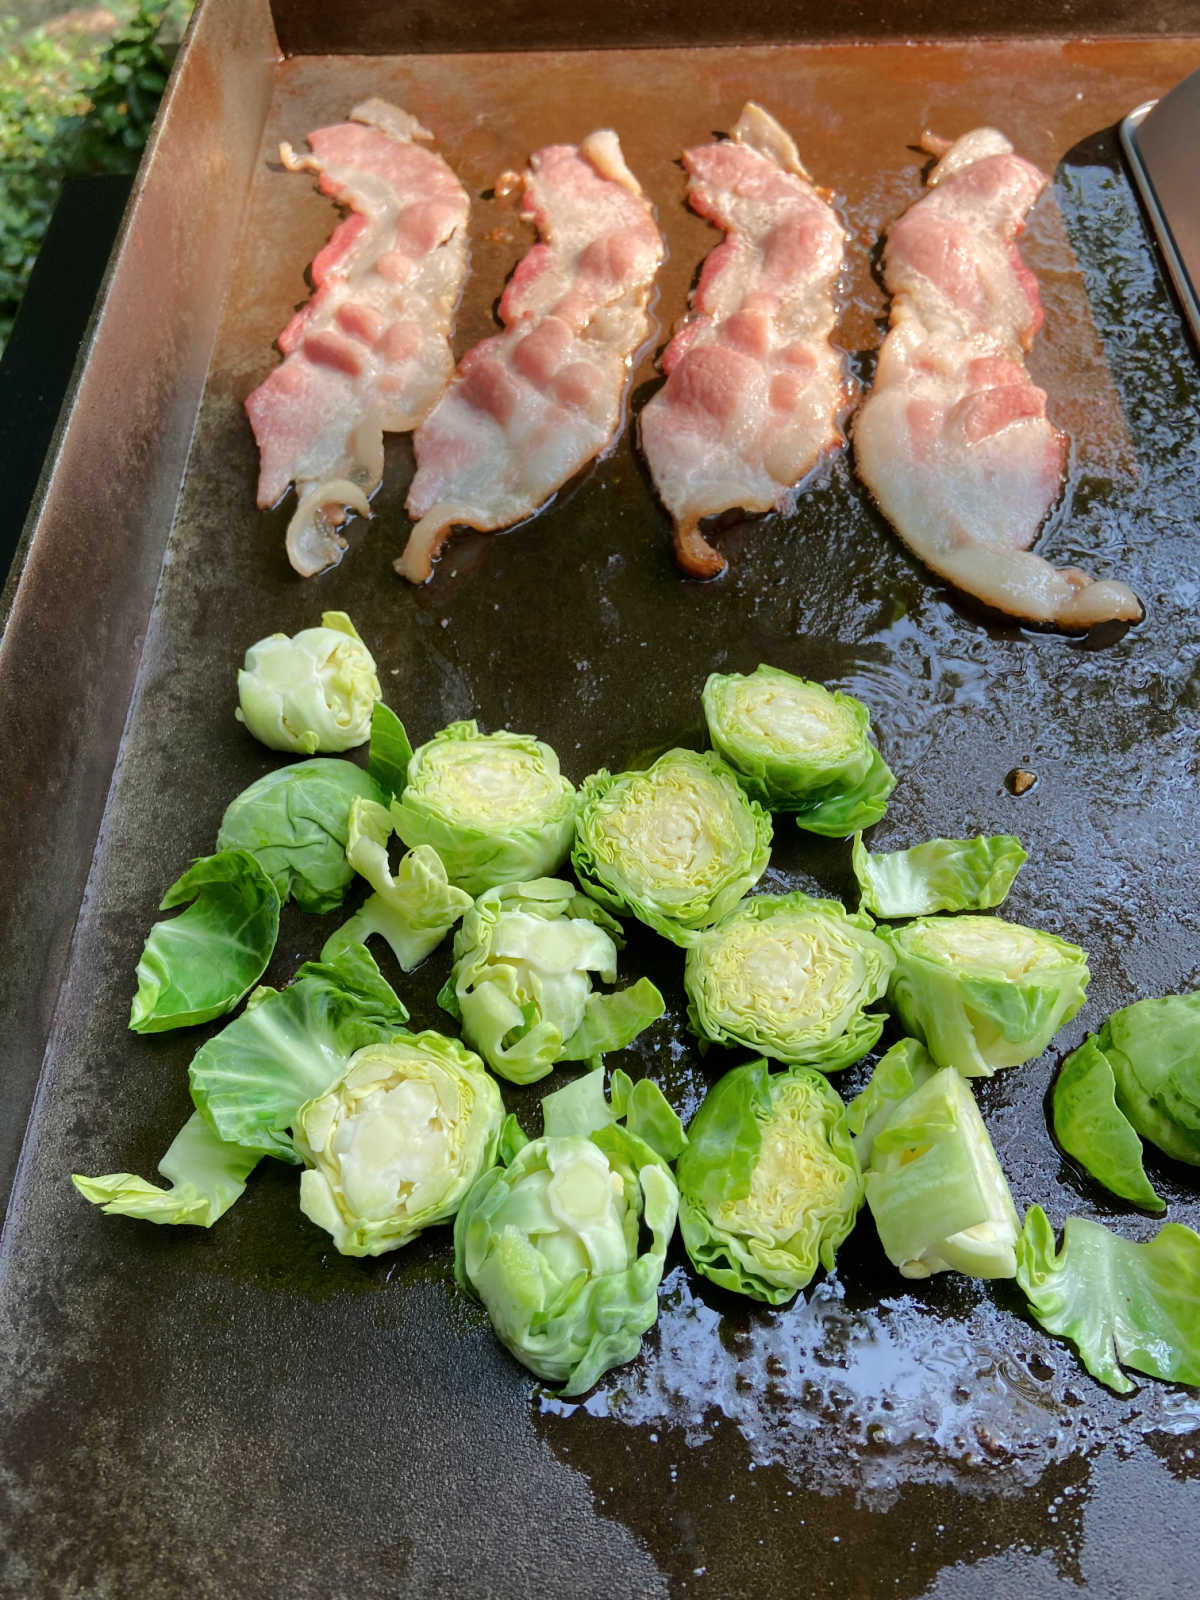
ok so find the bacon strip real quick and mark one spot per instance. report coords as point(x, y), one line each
point(953, 441)
point(370, 352)
point(532, 405)
point(753, 385)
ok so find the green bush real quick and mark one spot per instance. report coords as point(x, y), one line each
point(65, 114)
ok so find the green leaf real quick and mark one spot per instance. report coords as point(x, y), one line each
point(296, 821)
point(289, 1045)
point(1154, 1049)
point(199, 965)
point(1122, 1305)
point(613, 1021)
point(1090, 1127)
point(414, 909)
point(941, 875)
point(840, 815)
point(903, 1068)
point(206, 1177)
point(390, 751)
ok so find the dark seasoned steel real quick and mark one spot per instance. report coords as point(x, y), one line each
point(243, 1411)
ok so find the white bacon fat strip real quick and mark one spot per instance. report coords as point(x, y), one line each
point(532, 405)
point(370, 352)
point(954, 441)
point(753, 385)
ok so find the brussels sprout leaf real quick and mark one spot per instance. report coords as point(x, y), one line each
point(206, 1177)
point(296, 822)
point(1121, 1304)
point(199, 965)
point(841, 814)
point(941, 875)
point(1091, 1127)
point(905, 1067)
point(290, 1045)
point(1154, 1049)
point(389, 752)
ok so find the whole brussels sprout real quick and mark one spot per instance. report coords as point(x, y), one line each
point(311, 692)
point(395, 1144)
point(769, 1184)
point(494, 806)
point(676, 845)
point(792, 977)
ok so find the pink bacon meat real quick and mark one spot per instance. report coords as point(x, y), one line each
point(754, 386)
point(953, 441)
point(370, 352)
point(532, 405)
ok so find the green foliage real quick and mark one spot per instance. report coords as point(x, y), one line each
point(65, 114)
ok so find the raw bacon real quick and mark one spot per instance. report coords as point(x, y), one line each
point(753, 385)
point(370, 352)
point(532, 405)
point(953, 441)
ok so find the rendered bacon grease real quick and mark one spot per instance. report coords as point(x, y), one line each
point(532, 405)
point(370, 352)
point(954, 441)
point(753, 386)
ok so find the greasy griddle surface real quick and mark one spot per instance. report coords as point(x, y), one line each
point(245, 1411)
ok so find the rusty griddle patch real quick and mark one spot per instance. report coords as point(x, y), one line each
point(199, 1413)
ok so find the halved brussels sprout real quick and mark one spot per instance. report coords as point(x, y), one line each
point(799, 747)
point(521, 986)
point(311, 692)
point(676, 845)
point(790, 976)
point(494, 806)
point(394, 1145)
point(769, 1184)
point(554, 1242)
point(937, 1192)
point(983, 993)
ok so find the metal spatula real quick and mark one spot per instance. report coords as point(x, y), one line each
point(1162, 144)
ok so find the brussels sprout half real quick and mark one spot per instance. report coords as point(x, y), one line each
point(769, 1184)
point(525, 960)
point(565, 1245)
point(983, 993)
point(395, 1144)
point(790, 976)
point(494, 806)
point(798, 746)
point(676, 845)
point(311, 692)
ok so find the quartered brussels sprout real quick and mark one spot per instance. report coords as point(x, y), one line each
point(311, 692)
point(983, 993)
point(792, 977)
point(769, 1184)
point(413, 909)
point(525, 960)
point(938, 1195)
point(565, 1244)
point(799, 747)
point(676, 845)
point(396, 1143)
point(494, 806)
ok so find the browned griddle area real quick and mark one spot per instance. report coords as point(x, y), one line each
point(244, 1411)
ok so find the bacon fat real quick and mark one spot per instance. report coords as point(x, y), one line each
point(530, 406)
point(370, 351)
point(754, 386)
point(953, 440)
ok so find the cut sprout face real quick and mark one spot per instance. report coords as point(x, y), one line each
point(486, 784)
